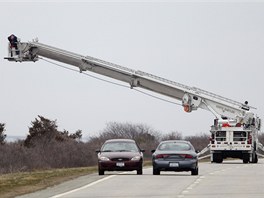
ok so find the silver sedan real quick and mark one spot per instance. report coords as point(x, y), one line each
point(175, 155)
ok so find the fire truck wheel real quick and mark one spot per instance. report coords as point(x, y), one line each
point(245, 158)
point(217, 158)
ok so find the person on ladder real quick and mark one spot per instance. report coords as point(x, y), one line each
point(13, 44)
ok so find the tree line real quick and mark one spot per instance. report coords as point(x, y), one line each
point(45, 147)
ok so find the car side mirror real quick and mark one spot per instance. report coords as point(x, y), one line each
point(97, 151)
point(152, 151)
point(142, 150)
point(197, 151)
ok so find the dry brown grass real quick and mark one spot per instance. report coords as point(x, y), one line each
point(15, 184)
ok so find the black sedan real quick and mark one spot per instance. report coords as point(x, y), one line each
point(175, 155)
point(120, 155)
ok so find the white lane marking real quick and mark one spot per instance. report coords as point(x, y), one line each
point(180, 196)
point(83, 187)
point(198, 180)
point(191, 186)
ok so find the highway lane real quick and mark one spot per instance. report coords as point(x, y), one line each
point(230, 179)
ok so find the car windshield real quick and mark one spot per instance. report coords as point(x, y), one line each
point(120, 147)
point(174, 146)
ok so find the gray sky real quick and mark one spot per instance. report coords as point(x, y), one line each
point(215, 46)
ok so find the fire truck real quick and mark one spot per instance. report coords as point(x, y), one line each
point(234, 133)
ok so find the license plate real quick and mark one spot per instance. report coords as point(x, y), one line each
point(174, 164)
point(120, 164)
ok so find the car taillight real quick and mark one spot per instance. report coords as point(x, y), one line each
point(161, 156)
point(186, 156)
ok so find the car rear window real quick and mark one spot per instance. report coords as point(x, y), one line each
point(120, 147)
point(174, 146)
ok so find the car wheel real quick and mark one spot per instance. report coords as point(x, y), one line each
point(195, 171)
point(139, 172)
point(156, 171)
point(100, 172)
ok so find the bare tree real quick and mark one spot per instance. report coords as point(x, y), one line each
point(77, 135)
point(145, 136)
point(128, 130)
point(46, 147)
point(174, 135)
point(261, 138)
point(199, 141)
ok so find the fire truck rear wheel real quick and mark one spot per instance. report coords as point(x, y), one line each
point(254, 157)
point(245, 158)
point(217, 158)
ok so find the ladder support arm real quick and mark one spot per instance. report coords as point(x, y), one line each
point(192, 98)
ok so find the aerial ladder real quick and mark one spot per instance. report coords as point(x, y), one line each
point(235, 129)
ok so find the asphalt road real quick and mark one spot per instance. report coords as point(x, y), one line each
point(231, 179)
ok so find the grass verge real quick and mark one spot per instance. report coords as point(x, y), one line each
point(15, 184)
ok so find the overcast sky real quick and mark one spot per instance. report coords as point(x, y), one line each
point(215, 46)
